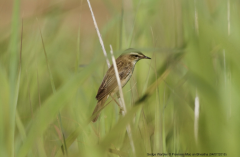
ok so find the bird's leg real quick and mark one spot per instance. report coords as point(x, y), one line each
point(120, 105)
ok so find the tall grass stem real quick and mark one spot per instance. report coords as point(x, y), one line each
point(121, 100)
point(98, 32)
point(54, 91)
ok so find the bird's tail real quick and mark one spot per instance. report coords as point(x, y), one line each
point(98, 107)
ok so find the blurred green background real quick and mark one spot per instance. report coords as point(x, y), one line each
point(194, 46)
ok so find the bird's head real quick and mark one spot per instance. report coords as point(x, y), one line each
point(134, 55)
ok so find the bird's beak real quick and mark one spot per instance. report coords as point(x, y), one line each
point(145, 57)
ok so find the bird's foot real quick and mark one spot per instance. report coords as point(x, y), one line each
point(121, 110)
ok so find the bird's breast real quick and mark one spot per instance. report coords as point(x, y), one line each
point(124, 81)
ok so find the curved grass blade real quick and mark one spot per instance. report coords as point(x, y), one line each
point(51, 107)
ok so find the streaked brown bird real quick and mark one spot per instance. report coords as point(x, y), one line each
point(125, 64)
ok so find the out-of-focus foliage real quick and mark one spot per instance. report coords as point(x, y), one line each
point(194, 46)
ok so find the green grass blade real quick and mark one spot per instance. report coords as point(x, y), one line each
point(13, 48)
point(51, 107)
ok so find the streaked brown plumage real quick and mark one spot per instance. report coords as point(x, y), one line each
point(125, 64)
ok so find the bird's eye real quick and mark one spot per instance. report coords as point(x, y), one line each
point(136, 56)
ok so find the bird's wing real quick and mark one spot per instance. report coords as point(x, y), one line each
point(109, 82)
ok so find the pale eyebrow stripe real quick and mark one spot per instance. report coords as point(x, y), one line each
point(132, 53)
